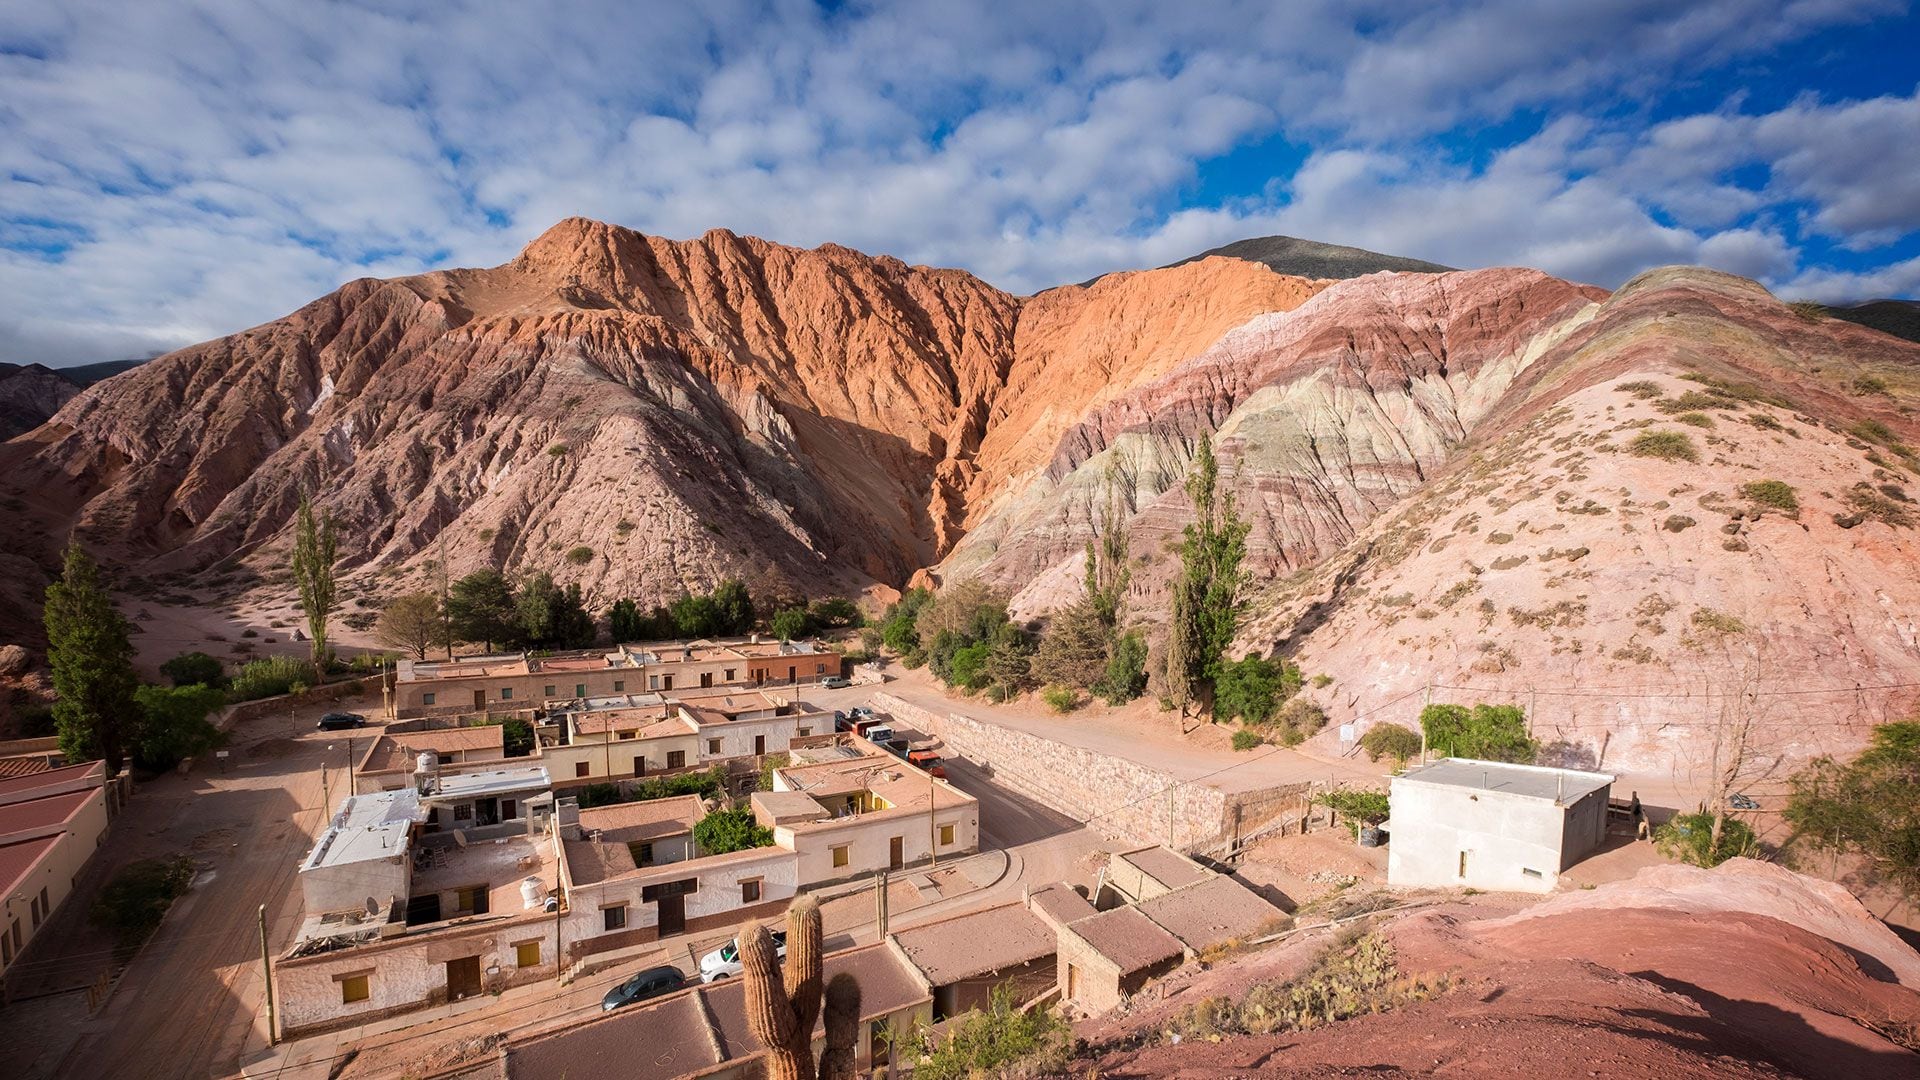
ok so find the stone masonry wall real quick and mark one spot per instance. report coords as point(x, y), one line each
point(1120, 799)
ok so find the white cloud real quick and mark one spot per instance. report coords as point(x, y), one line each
point(207, 166)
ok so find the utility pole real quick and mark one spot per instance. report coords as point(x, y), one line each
point(880, 905)
point(349, 764)
point(266, 966)
point(1426, 699)
point(933, 830)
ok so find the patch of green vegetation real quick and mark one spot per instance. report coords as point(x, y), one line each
point(999, 1040)
point(1736, 390)
point(580, 556)
point(1764, 422)
point(1644, 389)
point(133, 903)
point(1870, 384)
point(1356, 976)
point(1322, 681)
point(1871, 503)
point(1390, 740)
point(1665, 445)
point(1061, 699)
point(1689, 838)
point(1718, 622)
point(558, 449)
point(1247, 740)
point(1777, 494)
point(1694, 419)
point(1695, 399)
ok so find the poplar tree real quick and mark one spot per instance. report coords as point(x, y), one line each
point(315, 547)
point(90, 649)
point(1206, 595)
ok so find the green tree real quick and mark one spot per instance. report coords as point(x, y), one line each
point(174, 725)
point(696, 617)
point(533, 610)
point(1484, 732)
point(791, 623)
point(480, 608)
point(1867, 806)
point(90, 651)
point(516, 736)
point(1206, 594)
point(733, 607)
point(1126, 674)
point(315, 550)
point(730, 830)
point(624, 620)
point(1249, 689)
point(1009, 663)
point(411, 623)
point(967, 669)
point(836, 612)
point(899, 627)
point(190, 668)
point(1075, 647)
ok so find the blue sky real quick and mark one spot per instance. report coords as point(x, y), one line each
point(171, 172)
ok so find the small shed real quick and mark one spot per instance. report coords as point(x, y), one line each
point(1213, 913)
point(1146, 872)
point(1493, 825)
point(1105, 957)
point(965, 957)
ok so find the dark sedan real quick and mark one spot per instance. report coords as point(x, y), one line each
point(650, 983)
point(342, 721)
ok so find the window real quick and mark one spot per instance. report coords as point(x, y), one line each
point(946, 835)
point(509, 809)
point(619, 686)
point(581, 768)
point(579, 689)
point(644, 856)
point(527, 954)
point(759, 744)
point(653, 682)
point(506, 693)
point(547, 691)
point(426, 699)
point(463, 812)
point(666, 682)
point(6, 949)
point(1530, 871)
point(819, 669)
point(750, 891)
point(802, 733)
point(729, 675)
point(613, 918)
point(676, 759)
point(471, 899)
point(354, 988)
point(713, 746)
point(840, 856)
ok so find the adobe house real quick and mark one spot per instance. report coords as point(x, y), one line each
point(1491, 825)
point(636, 735)
point(964, 958)
point(1146, 872)
point(51, 822)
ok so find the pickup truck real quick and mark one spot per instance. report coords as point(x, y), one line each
point(928, 760)
point(898, 747)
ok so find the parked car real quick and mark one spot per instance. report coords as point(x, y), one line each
point(841, 721)
point(898, 747)
point(342, 721)
point(835, 682)
point(878, 733)
point(930, 761)
point(724, 962)
point(862, 710)
point(650, 983)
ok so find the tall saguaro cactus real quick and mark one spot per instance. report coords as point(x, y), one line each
point(783, 1006)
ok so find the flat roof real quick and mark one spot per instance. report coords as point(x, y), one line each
point(1061, 902)
point(977, 943)
point(694, 1031)
point(626, 823)
point(479, 785)
point(41, 813)
point(400, 753)
point(903, 786)
point(499, 865)
point(18, 859)
point(788, 807)
point(1168, 867)
point(1526, 781)
point(17, 788)
point(1128, 938)
point(1212, 912)
point(367, 828)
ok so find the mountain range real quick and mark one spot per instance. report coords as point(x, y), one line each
point(1493, 482)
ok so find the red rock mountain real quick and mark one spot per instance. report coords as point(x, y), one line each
point(1440, 468)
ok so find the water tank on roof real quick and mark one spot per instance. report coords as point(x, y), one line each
point(428, 762)
point(532, 893)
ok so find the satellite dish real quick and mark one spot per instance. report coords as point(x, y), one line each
point(373, 906)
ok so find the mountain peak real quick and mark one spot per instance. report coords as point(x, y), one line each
point(1313, 259)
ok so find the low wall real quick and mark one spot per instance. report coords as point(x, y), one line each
point(1119, 798)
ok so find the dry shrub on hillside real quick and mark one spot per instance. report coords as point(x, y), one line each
point(1356, 976)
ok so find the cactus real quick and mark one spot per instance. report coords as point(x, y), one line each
point(839, 1061)
point(783, 1006)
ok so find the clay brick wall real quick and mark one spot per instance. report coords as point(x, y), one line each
point(1120, 799)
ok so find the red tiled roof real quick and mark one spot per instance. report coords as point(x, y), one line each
point(41, 813)
point(23, 766)
point(18, 859)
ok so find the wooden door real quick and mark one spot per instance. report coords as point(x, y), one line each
point(673, 914)
point(480, 699)
point(463, 977)
point(896, 852)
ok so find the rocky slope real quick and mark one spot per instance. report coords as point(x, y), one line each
point(29, 396)
point(1744, 971)
point(1446, 506)
point(640, 415)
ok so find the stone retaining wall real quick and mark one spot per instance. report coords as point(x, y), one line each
point(1120, 799)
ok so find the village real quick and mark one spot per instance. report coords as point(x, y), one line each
point(434, 899)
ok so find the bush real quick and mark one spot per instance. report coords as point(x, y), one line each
point(558, 449)
point(1644, 389)
point(1665, 445)
point(704, 784)
point(1356, 976)
point(1390, 740)
point(999, 1040)
point(1302, 717)
point(190, 668)
point(1247, 740)
point(1061, 699)
point(133, 903)
point(1866, 806)
point(730, 830)
point(1694, 419)
point(269, 676)
point(173, 724)
point(1485, 732)
point(516, 735)
point(580, 556)
point(768, 764)
point(1689, 838)
point(791, 623)
point(1253, 688)
point(1775, 493)
point(968, 667)
point(1126, 676)
point(1870, 384)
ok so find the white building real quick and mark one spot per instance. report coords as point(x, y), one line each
point(1490, 825)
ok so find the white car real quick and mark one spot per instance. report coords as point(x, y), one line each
point(724, 962)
